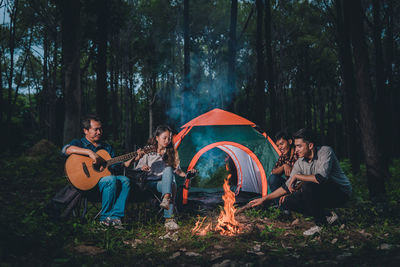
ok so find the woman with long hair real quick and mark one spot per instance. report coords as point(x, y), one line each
point(160, 167)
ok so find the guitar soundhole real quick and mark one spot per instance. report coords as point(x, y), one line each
point(100, 165)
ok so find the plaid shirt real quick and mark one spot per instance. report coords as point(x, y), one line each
point(286, 159)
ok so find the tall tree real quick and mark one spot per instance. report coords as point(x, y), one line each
point(381, 90)
point(260, 79)
point(271, 90)
point(232, 53)
point(349, 87)
point(70, 17)
point(389, 63)
point(376, 169)
point(101, 56)
point(186, 55)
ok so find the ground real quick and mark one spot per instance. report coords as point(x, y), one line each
point(366, 234)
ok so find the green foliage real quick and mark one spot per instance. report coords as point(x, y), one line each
point(271, 232)
point(30, 235)
point(270, 213)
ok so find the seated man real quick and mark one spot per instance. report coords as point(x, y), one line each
point(316, 182)
point(286, 160)
point(113, 207)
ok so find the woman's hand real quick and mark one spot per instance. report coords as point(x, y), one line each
point(287, 169)
point(190, 174)
point(145, 168)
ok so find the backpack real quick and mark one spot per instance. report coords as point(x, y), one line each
point(63, 202)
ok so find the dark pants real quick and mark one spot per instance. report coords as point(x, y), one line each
point(313, 198)
point(274, 182)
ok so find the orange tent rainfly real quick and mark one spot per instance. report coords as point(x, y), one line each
point(252, 152)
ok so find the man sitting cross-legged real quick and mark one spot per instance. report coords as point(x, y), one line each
point(316, 182)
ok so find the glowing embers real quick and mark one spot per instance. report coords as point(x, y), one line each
point(226, 224)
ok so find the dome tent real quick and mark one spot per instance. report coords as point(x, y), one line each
point(253, 153)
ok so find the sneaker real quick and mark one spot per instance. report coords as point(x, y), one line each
point(333, 218)
point(312, 231)
point(106, 222)
point(165, 203)
point(171, 225)
point(117, 224)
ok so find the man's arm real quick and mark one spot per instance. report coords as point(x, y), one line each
point(82, 151)
point(277, 170)
point(300, 177)
point(276, 194)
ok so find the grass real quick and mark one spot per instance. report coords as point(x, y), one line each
point(368, 234)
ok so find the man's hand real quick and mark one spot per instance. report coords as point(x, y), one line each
point(291, 183)
point(281, 200)
point(93, 156)
point(287, 169)
point(145, 168)
point(256, 202)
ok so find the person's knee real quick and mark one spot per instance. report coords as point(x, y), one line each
point(125, 181)
point(108, 181)
point(168, 170)
point(309, 187)
point(274, 178)
point(275, 181)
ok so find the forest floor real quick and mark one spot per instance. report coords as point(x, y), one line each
point(366, 234)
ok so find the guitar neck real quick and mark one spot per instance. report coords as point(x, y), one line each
point(121, 158)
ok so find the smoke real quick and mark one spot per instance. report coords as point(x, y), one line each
point(209, 90)
point(211, 169)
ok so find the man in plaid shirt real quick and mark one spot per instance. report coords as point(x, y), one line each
point(284, 165)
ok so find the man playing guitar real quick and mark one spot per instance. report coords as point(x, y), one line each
point(113, 206)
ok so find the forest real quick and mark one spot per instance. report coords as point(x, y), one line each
point(329, 65)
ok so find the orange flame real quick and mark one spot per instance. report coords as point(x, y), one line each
point(197, 228)
point(227, 224)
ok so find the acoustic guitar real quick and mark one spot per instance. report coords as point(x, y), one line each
point(84, 174)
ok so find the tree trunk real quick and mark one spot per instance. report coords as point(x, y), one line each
point(129, 109)
point(376, 169)
point(1, 91)
point(260, 80)
point(151, 100)
point(389, 44)
point(231, 92)
point(350, 101)
point(271, 89)
point(45, 96)
point(71, 61)
point(381, 92)
point(11, 44)
point(186, 54)
point(101, 64)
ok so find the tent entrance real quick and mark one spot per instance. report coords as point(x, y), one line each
point(250, 172)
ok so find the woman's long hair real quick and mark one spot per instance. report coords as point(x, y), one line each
point(169, 157)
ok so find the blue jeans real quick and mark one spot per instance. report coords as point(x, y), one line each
point(167, 185)
point(111, 205)
point(274, 182)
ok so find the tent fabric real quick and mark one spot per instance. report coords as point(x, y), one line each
point(252, 152)
point(218, 117)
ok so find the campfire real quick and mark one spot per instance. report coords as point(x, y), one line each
point(226, 224)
